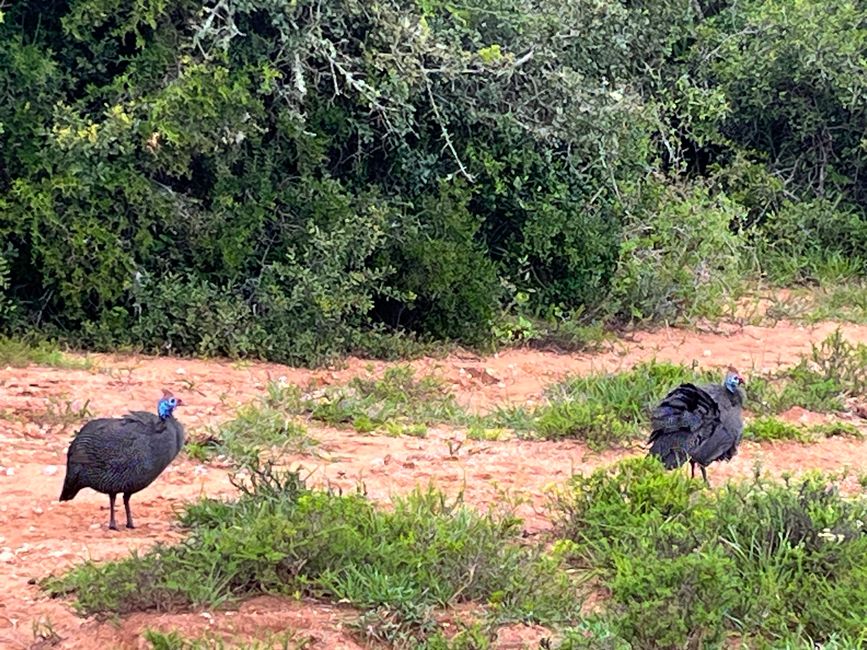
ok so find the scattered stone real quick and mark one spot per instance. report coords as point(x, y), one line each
point(7, 556)
point(49, 470)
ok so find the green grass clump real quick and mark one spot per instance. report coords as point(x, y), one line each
point(685, 567)
point(399, 396)
point(268, 423)
point(174, 640)
point(609, 409)
point(19, 354)
point(280, 537)
point(833, 371)
point(766, 429)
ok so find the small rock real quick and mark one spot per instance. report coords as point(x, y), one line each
point(94, 526)
point(37, 510)
point(10, 471)
point(49, 470)
point(180, 371)
point(7, 557)
point(707, 353)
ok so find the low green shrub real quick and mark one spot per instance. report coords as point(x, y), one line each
point(281, 537)
point(683, 566)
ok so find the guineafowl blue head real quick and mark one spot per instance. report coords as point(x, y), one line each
point(733, 381)
point(167, 405)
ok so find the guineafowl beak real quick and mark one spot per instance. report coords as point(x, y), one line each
point(180, 402)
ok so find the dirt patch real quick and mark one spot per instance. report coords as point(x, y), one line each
point(40, 408)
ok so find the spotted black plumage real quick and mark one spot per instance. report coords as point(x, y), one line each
point(701, 424)
point(123, 455)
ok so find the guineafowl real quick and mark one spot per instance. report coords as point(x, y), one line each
point(123, 455)
point(701, 424)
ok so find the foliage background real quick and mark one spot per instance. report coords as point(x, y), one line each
point(293, 180)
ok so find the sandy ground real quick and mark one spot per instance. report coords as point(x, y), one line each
point(39, 410)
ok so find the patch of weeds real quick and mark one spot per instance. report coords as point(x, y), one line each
point(281, 537)
point(174, 640)
point(257, 427)
point(820, 382)
point(835, 301)
point(394, 428)
point(406, 625)
point(560, 332)
point(369, 403)
point(593, 633)
point(19, 354)
point(608, 409)
point(518, 418)
point(269, 423)
point(44, 634)
point(474, 636)
point(480, 432)
point(685, 566)
point(767, 429)
point(62, 413)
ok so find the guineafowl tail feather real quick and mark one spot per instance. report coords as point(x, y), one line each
point(70, 487)
point(671, 456)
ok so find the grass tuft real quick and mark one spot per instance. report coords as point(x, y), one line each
point(281, 537)
point(268, 423)
point(174, 640)
point(19, 354)
point(684, 567)
point(398, 396)
point(767, 429)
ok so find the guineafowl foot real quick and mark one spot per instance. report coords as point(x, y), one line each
point(704, 475)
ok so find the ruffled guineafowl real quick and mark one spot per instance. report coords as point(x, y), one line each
point(701, 424)
point(123, 455)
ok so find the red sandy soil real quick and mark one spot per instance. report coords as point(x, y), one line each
point(38, 535)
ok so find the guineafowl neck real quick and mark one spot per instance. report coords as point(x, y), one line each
point(176, 430)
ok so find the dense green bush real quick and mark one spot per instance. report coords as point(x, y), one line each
point(290, 181)
point(281, 537)
point(773, 561)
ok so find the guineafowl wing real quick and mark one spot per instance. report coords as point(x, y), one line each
point(684, 418)
point(720, 445)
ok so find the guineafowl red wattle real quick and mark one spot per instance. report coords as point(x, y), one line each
point(701, 424)
point(123, 455)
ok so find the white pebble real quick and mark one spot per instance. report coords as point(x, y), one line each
point(7, 557)
point(37, 510)
point(10, 471)
point(49, 470)
point(707, 353)
point(180, 371)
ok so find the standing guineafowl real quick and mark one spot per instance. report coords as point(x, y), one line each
point(123, 455)
point(701, 424)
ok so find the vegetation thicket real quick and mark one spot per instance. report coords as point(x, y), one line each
point(293, 180)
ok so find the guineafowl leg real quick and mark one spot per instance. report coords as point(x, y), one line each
point(126, 496)
point(111, 524)
point(692, 469)
point(704, 475)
